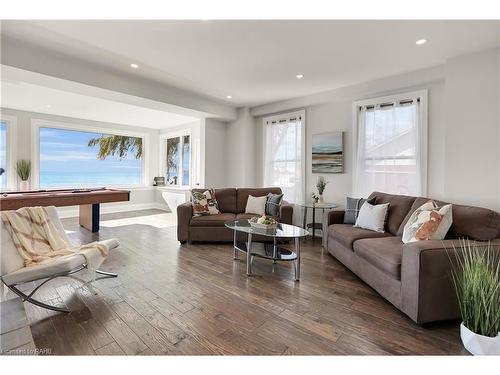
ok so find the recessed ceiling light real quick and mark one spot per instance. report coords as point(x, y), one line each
point(299, 76)
point(420, 42)
point(229, 97)
point(135, 66)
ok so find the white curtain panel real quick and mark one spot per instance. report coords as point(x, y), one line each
point(284, 157)
point(389, 150)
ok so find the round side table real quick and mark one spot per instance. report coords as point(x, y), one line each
point(314, 206)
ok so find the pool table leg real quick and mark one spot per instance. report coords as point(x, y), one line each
point(89, 217)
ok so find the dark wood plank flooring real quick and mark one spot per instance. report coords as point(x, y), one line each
point(194, 299)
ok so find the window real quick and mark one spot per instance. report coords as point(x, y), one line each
point(3, 156)
point(284, 155)
point(178, 160)
point(8, 174)
point(391, 145)
point(75, 158)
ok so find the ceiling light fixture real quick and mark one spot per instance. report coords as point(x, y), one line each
point(420, 42)
point(135, 66)
point(299, 76)
point(229, 97)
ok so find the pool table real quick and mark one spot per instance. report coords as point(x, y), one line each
point(89, 201)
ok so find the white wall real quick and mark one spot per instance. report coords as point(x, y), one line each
point(240, 150)
point(472, 149)
point(215, 153)
point(463, 127)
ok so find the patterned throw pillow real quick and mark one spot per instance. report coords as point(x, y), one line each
point(352, 208)
point(273, 204)
point(428, 222)
point(204, 203)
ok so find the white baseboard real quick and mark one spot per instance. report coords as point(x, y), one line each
point(72, 211)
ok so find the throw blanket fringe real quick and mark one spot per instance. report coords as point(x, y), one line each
point(38, 241)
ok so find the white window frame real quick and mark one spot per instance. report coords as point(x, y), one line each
point(423, 129)
point(163, 153)
point(11, 150)
point(302, 114)
point(37, 123)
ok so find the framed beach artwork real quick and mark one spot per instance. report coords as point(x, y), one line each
point(328, 152)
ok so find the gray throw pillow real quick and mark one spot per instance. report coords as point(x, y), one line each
point(352, 208)
point(273, 204)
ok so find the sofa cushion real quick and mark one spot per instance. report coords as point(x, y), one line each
point(428, 222)
point(383, 253)
point(399, 205)
point(273, 204)
point(244, 216)
point(372, 217)
point(256, 205)
point(212, 220)
point(204, 203)
point(243, 193)
point(226, 199)
point(476, 223)
point(346, 234)
point(352, 207)
point(418, 202)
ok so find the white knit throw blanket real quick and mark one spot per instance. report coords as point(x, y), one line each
point(39, 242)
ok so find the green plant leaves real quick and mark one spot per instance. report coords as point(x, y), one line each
point(476, 277)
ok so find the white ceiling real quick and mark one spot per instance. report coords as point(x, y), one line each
point(30, 97)
point(256, 61)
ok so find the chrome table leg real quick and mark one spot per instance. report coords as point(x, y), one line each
point(275, 250)
point(297, 261)
point(235, 250)
point(249, 255)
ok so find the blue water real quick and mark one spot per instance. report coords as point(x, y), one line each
point(89, 179)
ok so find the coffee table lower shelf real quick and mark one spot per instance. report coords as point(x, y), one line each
point(267, 251)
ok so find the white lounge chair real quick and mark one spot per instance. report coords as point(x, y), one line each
point(13, 272)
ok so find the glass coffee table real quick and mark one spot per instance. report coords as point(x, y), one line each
point(271, 250)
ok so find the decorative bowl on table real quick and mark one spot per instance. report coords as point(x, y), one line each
point(263, 222)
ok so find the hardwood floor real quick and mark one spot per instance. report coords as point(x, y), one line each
point(194, 299)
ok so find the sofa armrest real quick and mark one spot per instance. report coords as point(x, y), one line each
point(427, 289)
point(334, 217)
point(329, 218)
point(184, 214)
point(286, 213)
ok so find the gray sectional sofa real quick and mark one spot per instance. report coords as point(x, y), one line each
point(414, 277)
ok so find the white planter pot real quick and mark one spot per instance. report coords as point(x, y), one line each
point(24, 185)
point(479, 344)
point(321, 200)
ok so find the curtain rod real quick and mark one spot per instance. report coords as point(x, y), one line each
point(382, 105)
point(284, 120)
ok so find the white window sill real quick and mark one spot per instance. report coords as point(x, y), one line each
point(179, 188)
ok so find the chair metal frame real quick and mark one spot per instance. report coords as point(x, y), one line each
point(28, 297)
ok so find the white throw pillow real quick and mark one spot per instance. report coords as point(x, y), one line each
point(256, 205)
point(428, 222)
point(372, 217)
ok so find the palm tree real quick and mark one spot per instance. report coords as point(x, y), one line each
point(110, 145)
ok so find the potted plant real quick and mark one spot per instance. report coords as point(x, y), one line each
point(476, 277)
point(321, 185)
point(23, 168)
point(315, 197)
